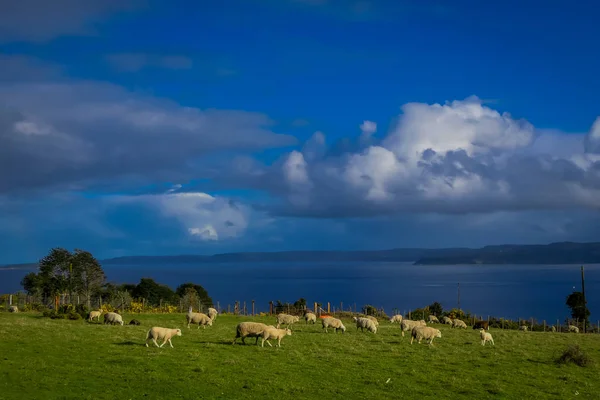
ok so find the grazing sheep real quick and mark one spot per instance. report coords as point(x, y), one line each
point(523, 328)
point(433, 319)
point(134, 322)
point(164, 334)
point(481, 324)
point(248, 329)
point(273, 333)
point(486, 337)
point(424, 332)
point(14, 309)
point(396, 318)
point(372, 318)
point(197, 318)
point(212, 313)
point(310, 317)
point(573, 328)
point(447, 321)
point(407, 325)
point(335, 323)
point(366, 323)
point(457, 323)
point(94, 314)
point(286, 319)
point(113, 318)
point(553, 328)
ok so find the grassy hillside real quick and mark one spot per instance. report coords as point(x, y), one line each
point(47, 359)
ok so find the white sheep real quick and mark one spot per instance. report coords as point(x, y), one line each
point(95, 314)
point(286, 319)
point(310, 317)
point(553, 328)
point(366, 323)
point(372, 318)
point(457, 323)
point(523, 328)
point(447, 321)
point(113, 318)
point(396, 318)
point(165, 334)
point(248, 329)
point(573, 328)
point(424, 332)
point(485, 337)
point(198, 318)
point(13, 309)
point(433, 319)
point(407, 325)
point(331, 322)
point(273, 333)
point(212, 313)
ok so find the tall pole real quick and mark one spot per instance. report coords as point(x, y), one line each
point(585, 320)
point(459, 295)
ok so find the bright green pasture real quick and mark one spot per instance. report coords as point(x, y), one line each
point(51, 359)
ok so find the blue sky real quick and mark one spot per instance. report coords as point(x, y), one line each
point(152, 127)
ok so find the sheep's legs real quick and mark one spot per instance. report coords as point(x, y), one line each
point(170, 343)
point(154, 340)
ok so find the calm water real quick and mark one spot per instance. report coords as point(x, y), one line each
point(510, 291)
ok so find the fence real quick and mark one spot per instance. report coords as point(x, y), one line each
point(250, 308)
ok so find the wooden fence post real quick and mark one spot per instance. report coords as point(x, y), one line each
point(328, 308)
point(253, 308)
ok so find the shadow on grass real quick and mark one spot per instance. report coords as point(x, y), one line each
point(129, 343)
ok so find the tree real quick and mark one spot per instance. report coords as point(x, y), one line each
point(54, 272)
point(202, 294)
point(87, 274)
point(61, 272)
point(436, 309)
point(32, 284)
point(153, 292)
point(576, 302)
point(300, 303)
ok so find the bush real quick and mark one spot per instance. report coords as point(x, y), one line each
point(34, 307)
point(574, 354)
point(73, 316)
point(82, 310)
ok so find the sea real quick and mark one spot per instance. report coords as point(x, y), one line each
point(507, 291)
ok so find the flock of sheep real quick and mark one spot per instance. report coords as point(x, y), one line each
point(418, 329)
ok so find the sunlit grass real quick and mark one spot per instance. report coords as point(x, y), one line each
point(42, 359)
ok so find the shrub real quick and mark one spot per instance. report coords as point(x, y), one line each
point(82, 310)
point(34, 307)
point(73, 315)
point(574, 354)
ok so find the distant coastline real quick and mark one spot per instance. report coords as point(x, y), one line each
point(554, 253)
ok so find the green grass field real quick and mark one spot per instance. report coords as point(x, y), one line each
point(50, 359)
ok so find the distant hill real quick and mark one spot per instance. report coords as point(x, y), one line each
point(290, 256)
point(554, 253)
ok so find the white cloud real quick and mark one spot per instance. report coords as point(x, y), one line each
point(368, 128)
point(458, 157)
point(592, 143)
point(203, 216)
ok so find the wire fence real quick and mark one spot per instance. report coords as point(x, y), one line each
point(124, 303)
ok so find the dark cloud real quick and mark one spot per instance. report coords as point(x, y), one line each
point(134, 62)
point(80, 134)
point(40, 20)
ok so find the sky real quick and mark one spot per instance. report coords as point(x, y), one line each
point(149, 127)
